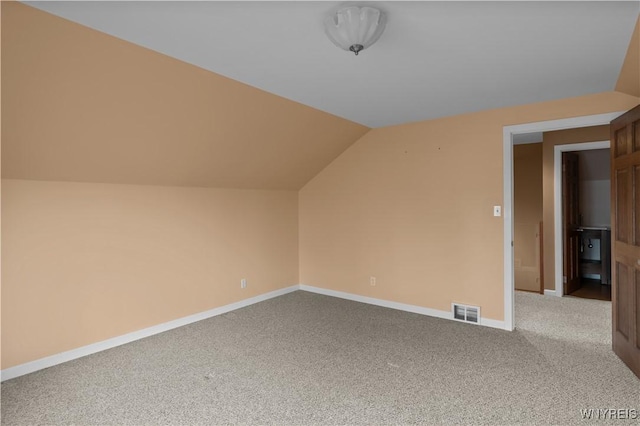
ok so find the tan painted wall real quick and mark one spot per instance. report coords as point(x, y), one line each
point(412, 205)
point(527, 215)
point(549, 141)
point(629, 78)
point(86, 262)
point(83, 106)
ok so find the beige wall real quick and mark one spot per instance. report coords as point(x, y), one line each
point(527, 215)
point(629, 78)
point(86, 262)
point(549, 141)
point(412, 205)
point(82, 106)
point(83, 262)
point(595, 187)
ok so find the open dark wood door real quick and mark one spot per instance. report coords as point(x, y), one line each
point(625, 236)
point(570, 221)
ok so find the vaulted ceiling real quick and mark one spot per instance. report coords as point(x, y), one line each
point(79, 105)
point(434, 59)
point(253, 94)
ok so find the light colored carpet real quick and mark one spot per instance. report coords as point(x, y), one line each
point(309, 359)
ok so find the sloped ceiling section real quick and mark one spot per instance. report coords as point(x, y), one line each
point(434, 59)
point(80, 105)
point(629, 78)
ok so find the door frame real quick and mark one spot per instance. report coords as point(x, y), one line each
point(557, 206)
point(507, 143)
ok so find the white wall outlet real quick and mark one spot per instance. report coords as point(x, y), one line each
point(243, 283)
point(497, 210)
point(372, 281)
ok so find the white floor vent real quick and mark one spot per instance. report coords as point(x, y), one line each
point(466, 313)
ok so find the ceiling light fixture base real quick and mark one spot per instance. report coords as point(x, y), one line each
point(356, 48)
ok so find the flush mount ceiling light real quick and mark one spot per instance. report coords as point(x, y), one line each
point(355, 28)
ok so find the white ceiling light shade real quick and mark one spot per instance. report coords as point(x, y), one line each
point(355, 28)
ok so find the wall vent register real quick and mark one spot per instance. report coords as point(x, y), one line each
point(466, 313)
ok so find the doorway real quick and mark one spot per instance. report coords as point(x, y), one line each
point(508, 139)
point(625, 187)
point(582, 220)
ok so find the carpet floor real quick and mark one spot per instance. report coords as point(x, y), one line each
point(304, 358)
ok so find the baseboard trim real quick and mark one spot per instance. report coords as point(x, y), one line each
point(50, 361)
point(487, 322)
point(550, 292)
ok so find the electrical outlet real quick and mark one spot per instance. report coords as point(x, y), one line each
point(243, 283)
point(372, 281)
point(497, 210)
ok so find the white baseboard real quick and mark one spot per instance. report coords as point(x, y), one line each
point(397, 305)
point(50, 361)
point(39, 364)
point(550, 292)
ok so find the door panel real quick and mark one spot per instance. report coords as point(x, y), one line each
point(621, 205)
point(620, 144)
point(636, 207)
point(637, 315)
point(622, 291)
point(571, 221)
point(572, 271)
point(625, 247)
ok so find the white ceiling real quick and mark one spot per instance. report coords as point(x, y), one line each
point(435, 58)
